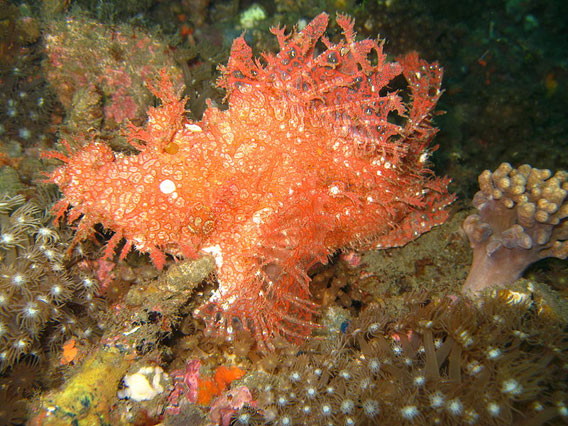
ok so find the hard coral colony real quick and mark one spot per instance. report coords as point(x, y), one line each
point(314, 154)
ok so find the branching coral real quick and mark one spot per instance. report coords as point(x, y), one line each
point(522, 217)
point(436, 362)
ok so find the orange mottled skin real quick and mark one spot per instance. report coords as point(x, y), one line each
point(314, 154)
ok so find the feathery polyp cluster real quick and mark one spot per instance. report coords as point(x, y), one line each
point(426, 372)
point(35, 284)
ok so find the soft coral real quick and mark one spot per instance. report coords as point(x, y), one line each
point(522, 217)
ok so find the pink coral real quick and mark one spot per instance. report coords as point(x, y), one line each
point(314, 154)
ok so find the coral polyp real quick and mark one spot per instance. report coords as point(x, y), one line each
point(39, 291)
point(429, 361)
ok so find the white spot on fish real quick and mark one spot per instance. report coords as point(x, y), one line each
point(167, 186)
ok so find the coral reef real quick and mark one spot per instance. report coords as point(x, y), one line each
point(41, 294)
point(13, 409)
point(427, 361)
point(18, 29)
point(322, 154)
point(144, 384)
point(396, 271)
point(117, 11)
point(314, 154)
point(133, 340)
point(98, 71)
point(223, 409)
point(26, 103)
point(10, 182)
point(190, 386)
point(88, 396)
point(522, 217)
